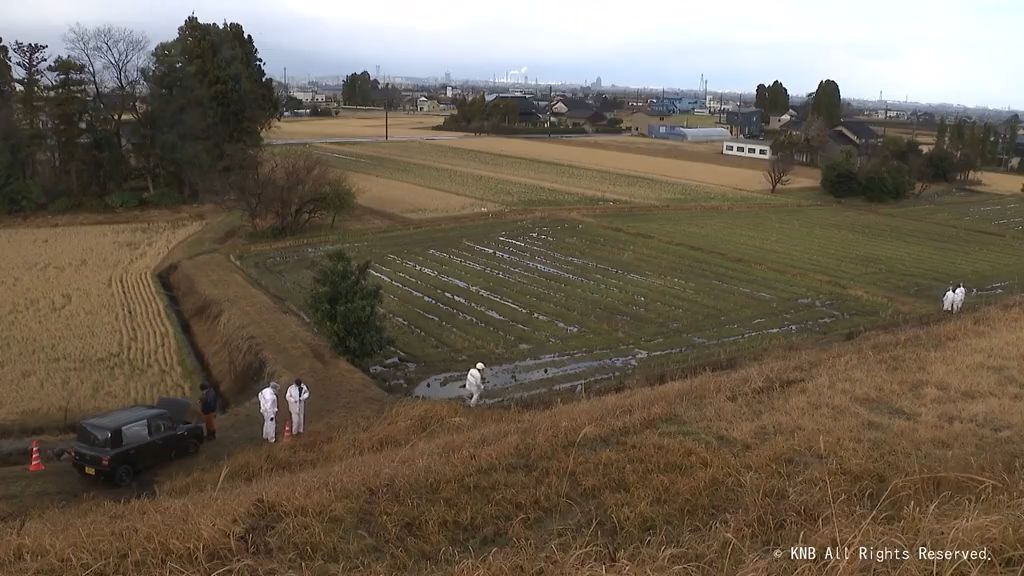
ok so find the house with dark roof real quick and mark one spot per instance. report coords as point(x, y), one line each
point(528, 113)
point(744, 122)
point(849, 138)
point(575, 112)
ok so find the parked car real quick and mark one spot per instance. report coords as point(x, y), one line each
point(118, 445)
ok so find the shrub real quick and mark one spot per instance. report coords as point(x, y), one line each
point(122, 199)
point(63, 204)
point(345, 306)
point(840, 179)
point(165, 197)
point(886, 181)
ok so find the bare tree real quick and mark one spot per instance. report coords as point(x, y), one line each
point(777, 172)
point(293, 187)
point(114, 59)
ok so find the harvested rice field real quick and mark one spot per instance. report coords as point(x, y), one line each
point(523, 183)
point(85, 328)
point(412, 201)
point(627, 163)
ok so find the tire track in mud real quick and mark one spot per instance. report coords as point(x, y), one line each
point(429, 299)
point(490, 296)
point(646, 292)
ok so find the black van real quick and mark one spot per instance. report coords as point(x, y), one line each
point(119, 444)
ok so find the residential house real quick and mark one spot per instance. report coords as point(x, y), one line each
point(775, 122)
point(528, 113)
point(574, 112)
point(638, 122)
point(424, 104)
point(745, 122)
point(849, 138)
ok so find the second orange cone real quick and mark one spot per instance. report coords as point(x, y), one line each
point(37, 462)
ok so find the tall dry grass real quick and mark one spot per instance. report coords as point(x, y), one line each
point(84, 329)
point(899, 440)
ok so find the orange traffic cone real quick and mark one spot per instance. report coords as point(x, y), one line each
point(37, 462)
point(287, 430)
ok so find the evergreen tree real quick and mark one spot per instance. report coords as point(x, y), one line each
point(941, 133)
point(67, 106)
point(29, 101)
point(345, 306)
point(777, 99)
point(11, 161)
point(209, 102)
point(828, 103)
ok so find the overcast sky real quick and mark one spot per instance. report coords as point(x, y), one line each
point(957, 51)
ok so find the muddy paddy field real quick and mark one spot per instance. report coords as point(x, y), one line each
point(574, 302)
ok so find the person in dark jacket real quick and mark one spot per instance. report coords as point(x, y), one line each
point(208, 406)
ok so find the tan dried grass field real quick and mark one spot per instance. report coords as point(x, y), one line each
point(698, 172)
point(84, 327)
point(1001, 183)
point(367, 124)
point(410, 200)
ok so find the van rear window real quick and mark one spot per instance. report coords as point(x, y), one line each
point(93, 436)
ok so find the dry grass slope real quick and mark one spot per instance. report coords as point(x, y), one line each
point(84, 327)
point(895, 440)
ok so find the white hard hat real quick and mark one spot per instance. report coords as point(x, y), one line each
point(480, 366)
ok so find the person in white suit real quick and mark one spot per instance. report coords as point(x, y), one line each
point(475, 382)
point(268, 407)
point(947, 300)
point(297, 395)
point(958, 298)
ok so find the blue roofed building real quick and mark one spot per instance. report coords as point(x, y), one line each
point(671, 105)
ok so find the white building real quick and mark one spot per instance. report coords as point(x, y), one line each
point(747, 149)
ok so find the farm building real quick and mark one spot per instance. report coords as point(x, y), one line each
point(674, 132)
point(744, 123)
point(747, 149)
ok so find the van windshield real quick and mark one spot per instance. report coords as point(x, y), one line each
point(93, 436)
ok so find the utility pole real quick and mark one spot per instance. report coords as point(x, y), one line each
point(387, 100)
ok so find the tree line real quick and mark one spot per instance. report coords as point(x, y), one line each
point(358, 89)
point(116, 122)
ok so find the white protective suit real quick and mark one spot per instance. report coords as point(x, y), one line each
point(296, 397)
point(947, 300)
point(958, 298)
point(475, 383)
point(268, 407)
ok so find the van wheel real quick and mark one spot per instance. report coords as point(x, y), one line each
point(123, 476)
